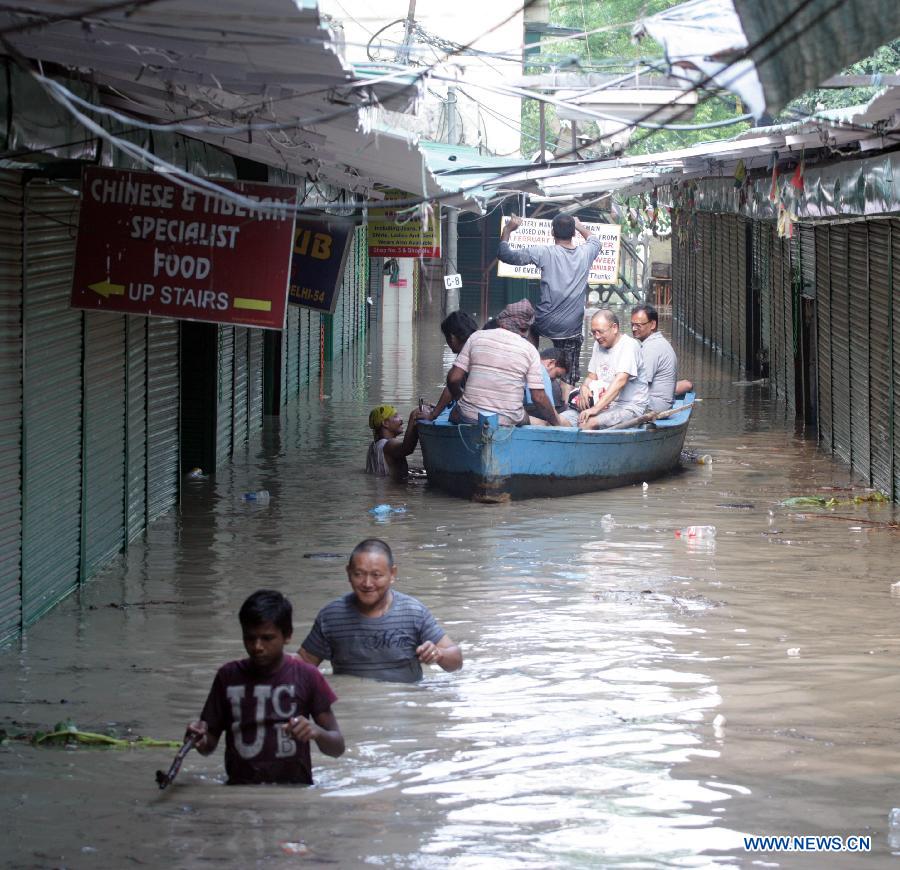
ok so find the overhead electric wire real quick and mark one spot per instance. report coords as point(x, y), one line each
point(50, 19)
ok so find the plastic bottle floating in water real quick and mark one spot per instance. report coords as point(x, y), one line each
point(691, 457)
point(692, 533)
point(382, 510)
point(259, 497)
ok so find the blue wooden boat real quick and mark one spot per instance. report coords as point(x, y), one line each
point(491, 463)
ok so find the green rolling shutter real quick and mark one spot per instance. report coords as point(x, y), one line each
point(255, 355)
point(823, 338)
point(11, 406)
point(163, 413)
point(104, 439)
point(136, 426)
point(224, 394)
point(293, 347)
point(894, 267)
point(879, 352)
point(51, 548)
point(840, 342)
point(240, 397)
point(858, 300)
point(303, 355)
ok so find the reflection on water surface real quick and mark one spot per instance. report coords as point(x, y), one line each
point(583, 730)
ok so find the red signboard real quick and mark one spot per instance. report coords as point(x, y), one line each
point(147, 245)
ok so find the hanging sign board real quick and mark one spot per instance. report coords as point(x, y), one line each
point(400, 232)
point(536, 231)
point(318, 259)
point(146, 245)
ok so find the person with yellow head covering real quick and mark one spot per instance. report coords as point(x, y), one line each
point(390, 446)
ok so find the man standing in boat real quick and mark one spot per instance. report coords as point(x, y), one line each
point(496, 365)
point(616, 361)
point(564, 268)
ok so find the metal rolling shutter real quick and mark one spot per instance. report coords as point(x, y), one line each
point(791, 315)
point(729, 262)
point(136, 425)
point(840, 343)
point(163, 415)
point(880, 386)
point(679, 282)
point(763, 268)
point(104, 439)
point(51, 520)
point(823, 337)
point(240, 401)
point(224, 395)
point(316, 322)
point(740, 293)
point(303, 359)
point(894, 262)
point(293, 347)
point(776, 366)
point(11, 407)
point(858, 290)
point(706, 277)
point(255, 356)
point(720, 284)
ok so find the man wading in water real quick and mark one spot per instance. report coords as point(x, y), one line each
point(390, 447)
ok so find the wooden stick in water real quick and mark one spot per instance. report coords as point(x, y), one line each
point(650, 417)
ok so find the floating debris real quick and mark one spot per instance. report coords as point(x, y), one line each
point(67, 733)
point(874, 497)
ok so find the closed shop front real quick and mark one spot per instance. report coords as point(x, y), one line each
point(858, 354)
point(90, 413)
point(11, 210)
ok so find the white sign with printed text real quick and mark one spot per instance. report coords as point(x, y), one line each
point(452, 282)
point(536, 231)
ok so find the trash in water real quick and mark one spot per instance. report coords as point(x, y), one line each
point(383, 510)
point(895, 588)
point(607, 522)
point(832, 501)
point(737, 506)
point(692, 457)
point(197, 474)
point(694, 532)
point(794, 651)
point(645, 486)
point(260, 496)
point(894, 828)
point(323, 555)
point(294, 848)
point(719, 726)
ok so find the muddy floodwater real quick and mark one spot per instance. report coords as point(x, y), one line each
point(629, 698)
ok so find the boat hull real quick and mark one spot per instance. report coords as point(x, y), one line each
point(491, 463)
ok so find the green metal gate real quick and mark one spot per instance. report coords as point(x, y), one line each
point(52, 403)
point(11, 195)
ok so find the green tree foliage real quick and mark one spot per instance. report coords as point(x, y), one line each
point(611, 50)
point(885, 60)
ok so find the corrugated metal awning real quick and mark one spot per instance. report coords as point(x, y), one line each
point(235, 64)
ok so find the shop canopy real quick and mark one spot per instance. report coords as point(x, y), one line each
point(269, 67)
point(769, 53)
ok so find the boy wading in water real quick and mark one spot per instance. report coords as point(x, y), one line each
point(270, 705)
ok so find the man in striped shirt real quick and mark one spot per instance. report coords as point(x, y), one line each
point(496, 365)
point(374, 631)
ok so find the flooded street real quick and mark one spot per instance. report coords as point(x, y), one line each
point(629, 699)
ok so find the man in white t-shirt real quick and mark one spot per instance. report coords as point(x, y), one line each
point(617, 365)
point(496, 365)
